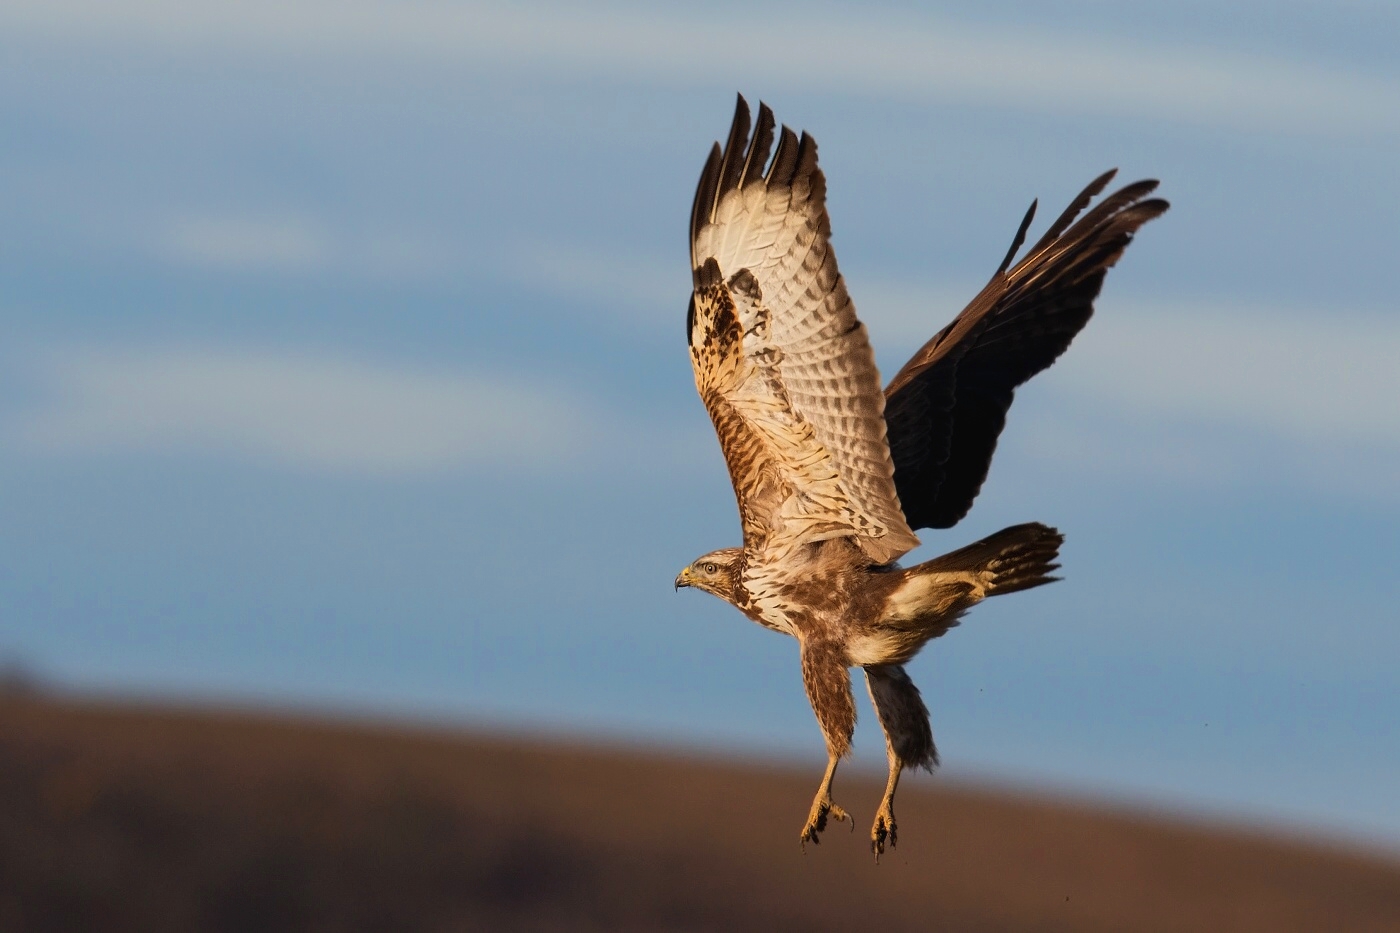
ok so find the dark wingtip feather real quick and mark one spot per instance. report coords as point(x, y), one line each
point(785, 159)
point(1080, 202)
point(1152, 207)
point(1117, 201)
point(759, 146)
point(742, 160)
point(806, 157)
point(1019, 238)
point(705, 193)
point(732, 164)
point(945, 409)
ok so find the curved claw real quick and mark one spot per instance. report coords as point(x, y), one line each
point(883, 831)
point(816, 821)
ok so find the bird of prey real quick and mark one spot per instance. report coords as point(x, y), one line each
point(832, 475)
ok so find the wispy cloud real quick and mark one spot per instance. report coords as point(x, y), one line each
point(644, 288)
point(279, 243)
point(901, 55)
point(304, 411)
point(1230, 394)
point(273, 241)
point(641, 289)
point(1322, 379)
point(1196, 391)
point(1201, 391)
point(1324, 376)
point(1316, 375)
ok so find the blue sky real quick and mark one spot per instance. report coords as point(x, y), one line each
point(345, 369)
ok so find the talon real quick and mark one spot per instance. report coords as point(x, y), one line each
point(883, 831)
point(816, 821)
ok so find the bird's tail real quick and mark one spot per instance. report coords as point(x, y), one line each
point(1013, 559)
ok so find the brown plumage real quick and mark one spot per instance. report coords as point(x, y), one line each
point(832, 475)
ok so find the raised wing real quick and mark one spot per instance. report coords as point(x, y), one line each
point(781, 362)
point(947, 406)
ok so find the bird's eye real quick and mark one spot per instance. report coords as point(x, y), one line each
point(708, 567)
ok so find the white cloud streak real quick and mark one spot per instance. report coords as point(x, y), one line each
point(296, 243)
point(309, 412)
point(1192, 390)
point(1201, 391)
point(1197, 391)
point(1322, 377)
point(247, 243)
point(1326, 378)
point(914, 57)
point(1314, 375)
point(640, 289)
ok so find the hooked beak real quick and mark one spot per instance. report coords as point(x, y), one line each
point(683, 579)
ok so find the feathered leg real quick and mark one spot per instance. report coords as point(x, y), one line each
point(828, 683)
point(908, 740)
point(822, 807)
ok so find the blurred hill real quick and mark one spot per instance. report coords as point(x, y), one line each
point(136, 818)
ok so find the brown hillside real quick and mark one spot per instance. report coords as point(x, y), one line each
point(142, 819)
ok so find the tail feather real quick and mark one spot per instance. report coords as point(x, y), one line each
point(1018, 558)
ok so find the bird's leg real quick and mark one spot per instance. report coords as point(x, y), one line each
point(828, 683)
point(884, 828)
point(908, 740)
point(822, 807)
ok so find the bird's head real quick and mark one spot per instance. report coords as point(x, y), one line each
point(716, 572)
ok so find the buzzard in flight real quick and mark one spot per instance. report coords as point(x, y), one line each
point(832, 475)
